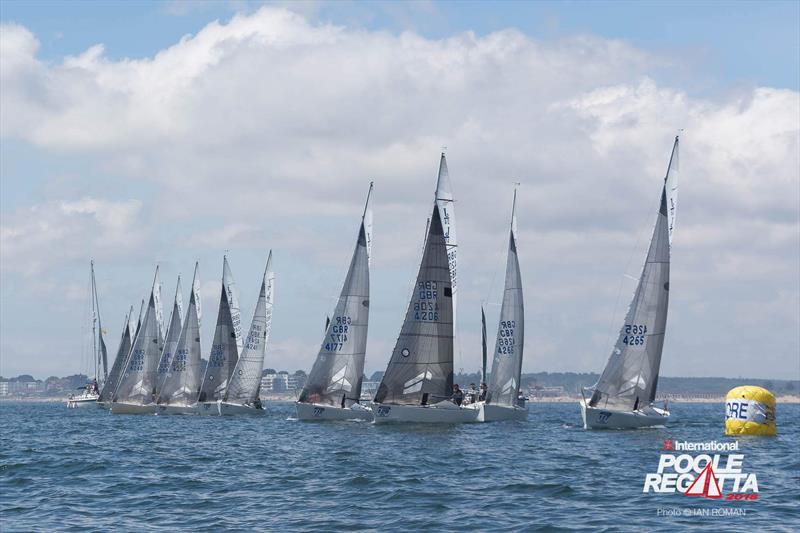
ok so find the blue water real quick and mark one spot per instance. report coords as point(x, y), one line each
point(85, 470)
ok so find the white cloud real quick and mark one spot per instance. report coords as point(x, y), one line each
point(265, 130)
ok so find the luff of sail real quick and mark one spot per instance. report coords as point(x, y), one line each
point(225, 347)
point(172, 337)
point(181, 383)
point(245, 382)
point(122, 355)
point(630, 377)
point(503, 387)
point(137, 383)
point(337, 374)
point(421, 367)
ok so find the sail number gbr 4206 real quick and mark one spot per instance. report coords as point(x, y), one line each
point(426, 307)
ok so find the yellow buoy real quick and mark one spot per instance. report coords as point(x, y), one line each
point(750, 410)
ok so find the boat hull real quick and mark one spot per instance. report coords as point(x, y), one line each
point(119, 408)
point(175, 409)
point(314, 411)
point(442, 413)
point(206, 408)
point(227, 409)
point(597, 418)
point(82, 402)
point(488, 412)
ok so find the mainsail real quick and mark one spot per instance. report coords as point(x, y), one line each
point(172, 337)
point(182, 380)
point(227, 342)
point(101, 354)
point(338, 370)
point(630, 377)
point(507, 364)
point(444, 200)
point(245, 381)
point(421, 368)
point(119, 360)
point(137, 383)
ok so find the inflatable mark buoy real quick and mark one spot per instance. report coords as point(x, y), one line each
point(750, 410)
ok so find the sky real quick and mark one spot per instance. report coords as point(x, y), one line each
point(136, 133)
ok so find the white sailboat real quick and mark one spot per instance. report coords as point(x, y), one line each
point(179, 388)
point(333, 388)
point(242, 392)
point(134, 394)
point(502, 396)
point(226, 347)
point(90, 393)
point(116, 369)
point(624, 396)
point(418, 382)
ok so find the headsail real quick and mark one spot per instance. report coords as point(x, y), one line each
point(227, 339)
point(630, 377)
point(137, 383)
point(245, 382)
point(172, 337)
point(507, 363)
point(421, 368)
point(337, 373)
point(181, 382)
point(122, 354)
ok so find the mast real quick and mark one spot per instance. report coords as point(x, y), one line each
point(95, 354)
point(483, 345)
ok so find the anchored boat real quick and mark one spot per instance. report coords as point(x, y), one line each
point(624, 397)
point(333, 388)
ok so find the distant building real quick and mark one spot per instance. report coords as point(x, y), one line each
point(368, 389)
point(4, 388)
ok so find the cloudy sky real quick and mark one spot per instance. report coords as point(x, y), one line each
point(143, 133)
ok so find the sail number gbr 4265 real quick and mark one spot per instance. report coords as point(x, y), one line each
point(634, 334)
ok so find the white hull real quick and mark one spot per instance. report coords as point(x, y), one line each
point(175, 409)
point(119, 408)
point(314, 411)
point(81, 402)
point(494, 413)
point(597, 418)
point(442, 413)
point(206, 408)
point(224, 409)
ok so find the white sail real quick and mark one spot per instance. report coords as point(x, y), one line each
point(630, 377)
point(503, 387)
point(367, 221)
point(182, 380)
point(671, 187)
point(171, 338)
point(233, 302)
point(336, 377)
point(101, 353)
point(447, 212)
point(245, 383)
point(159, 305)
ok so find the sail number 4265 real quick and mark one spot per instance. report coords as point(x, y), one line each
point(634, 334)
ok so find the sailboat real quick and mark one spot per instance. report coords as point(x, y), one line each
point(226, 347)
point(91, 392)
point(333, 388)
point(179, 388)
point(124, 349)
point(135, 391)
point(503, 388)
point(418, 382)
point(624, 396)
point(171, 338)
point(242, 392)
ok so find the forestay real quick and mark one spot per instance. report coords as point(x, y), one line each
point(122, 355)
point(507, 364)
point(137, 384)
point(225, 348)
point(181, 382)
point(171, 338)
point(245, 382)
point(421, 367)
point(337, 374)
point(630, 377)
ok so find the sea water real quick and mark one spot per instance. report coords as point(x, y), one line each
point(89, 470)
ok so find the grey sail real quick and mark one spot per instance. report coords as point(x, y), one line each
point(137, 383)
point(102, 352)
point(503, 387)
point(135, 330)
point(630, 377)
point(225, 347)
point(245, 382)
point(171, 338)
point(122, 354)
point(421, 367)
point(337, 374)
point(181, 382)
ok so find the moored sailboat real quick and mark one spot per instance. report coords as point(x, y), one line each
point(333, 388)
point(624, 396)
point(242, 391)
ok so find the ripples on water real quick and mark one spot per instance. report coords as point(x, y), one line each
point(86, 469)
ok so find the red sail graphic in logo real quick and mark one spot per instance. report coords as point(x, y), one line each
point(705, 485)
